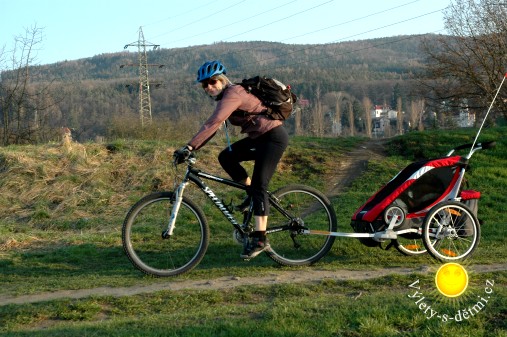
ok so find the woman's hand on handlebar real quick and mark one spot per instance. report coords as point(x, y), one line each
point(182, 154)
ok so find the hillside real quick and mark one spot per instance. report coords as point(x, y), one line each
point(97, 97)
point(73, 185)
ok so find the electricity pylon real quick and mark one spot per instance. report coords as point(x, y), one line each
point(144, 82)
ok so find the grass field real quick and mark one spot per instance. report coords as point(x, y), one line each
point(60, 229)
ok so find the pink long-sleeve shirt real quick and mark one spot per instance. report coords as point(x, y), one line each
point(235, 97)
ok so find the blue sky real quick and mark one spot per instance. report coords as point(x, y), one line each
point(80, 29)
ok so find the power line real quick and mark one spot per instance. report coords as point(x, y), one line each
point(308, 33)
point(276, 21)
point(348, 37)
point(339, 40)
point(350, 21)
point(234, 23)
point(292, 15)
point(340, 24)
point(181, 14)
point(200, 19)
point(285, 18)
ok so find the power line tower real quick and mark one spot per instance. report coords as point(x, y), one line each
point(144, 82)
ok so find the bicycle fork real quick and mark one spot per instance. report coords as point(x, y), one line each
point(178, 197)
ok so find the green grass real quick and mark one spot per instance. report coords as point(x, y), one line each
point(60, 229)
point(380, 307)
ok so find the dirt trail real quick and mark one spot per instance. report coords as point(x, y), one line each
point(349, 167)
point(353, 163)
point(311, 275)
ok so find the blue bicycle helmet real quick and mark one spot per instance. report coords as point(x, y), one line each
point(209, 69)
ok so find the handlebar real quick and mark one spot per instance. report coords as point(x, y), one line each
point(189, 161)
point(488, 145)
point(478, 146)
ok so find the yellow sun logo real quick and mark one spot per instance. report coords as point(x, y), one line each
point(451, 279)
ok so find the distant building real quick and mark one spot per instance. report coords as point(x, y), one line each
point(392, 114)
point(377, 111)
point(380, 111)
point(466, 119)
point(381, 119)
point(380, 125)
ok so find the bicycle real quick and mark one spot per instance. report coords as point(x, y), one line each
point(167, 234)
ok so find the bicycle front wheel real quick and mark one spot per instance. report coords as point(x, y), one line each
point(308, 209)
point(451, 231)
point(149, 251)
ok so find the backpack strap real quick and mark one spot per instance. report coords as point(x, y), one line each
point(241, 113)
point(227, 136)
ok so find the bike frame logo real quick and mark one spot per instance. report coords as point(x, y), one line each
point(452, 300)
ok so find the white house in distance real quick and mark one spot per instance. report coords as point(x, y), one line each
point(377, 111)
point(380, 111)
point(381, 116)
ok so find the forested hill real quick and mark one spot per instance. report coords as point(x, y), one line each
point(376, 58)
point(92, 92)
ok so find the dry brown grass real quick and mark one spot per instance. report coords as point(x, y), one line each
point(72, 185)
point(44, 183)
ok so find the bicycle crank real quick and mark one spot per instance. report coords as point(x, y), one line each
point(237, 236)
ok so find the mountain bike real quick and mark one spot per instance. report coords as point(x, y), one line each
point(167, 233)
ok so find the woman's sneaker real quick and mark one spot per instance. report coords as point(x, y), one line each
point(254, 247)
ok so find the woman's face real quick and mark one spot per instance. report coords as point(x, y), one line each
point(212, 86)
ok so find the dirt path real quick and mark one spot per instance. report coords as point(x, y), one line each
point(352, 164)
point(312, 275)
point(349, 167)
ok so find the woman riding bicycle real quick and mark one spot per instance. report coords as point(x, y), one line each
point(265, 144)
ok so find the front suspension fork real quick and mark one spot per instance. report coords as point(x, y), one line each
point(178, 197)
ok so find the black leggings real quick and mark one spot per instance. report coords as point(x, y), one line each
point(266, 150)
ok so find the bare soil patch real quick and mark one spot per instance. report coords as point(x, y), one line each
point(352, 165)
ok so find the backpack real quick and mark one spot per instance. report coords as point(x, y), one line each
point(275, 95)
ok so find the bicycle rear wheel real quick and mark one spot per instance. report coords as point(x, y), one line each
point(154, 255)
point(451, 231)
point(309, 209)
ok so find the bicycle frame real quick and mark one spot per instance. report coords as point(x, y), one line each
point(196, 176)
